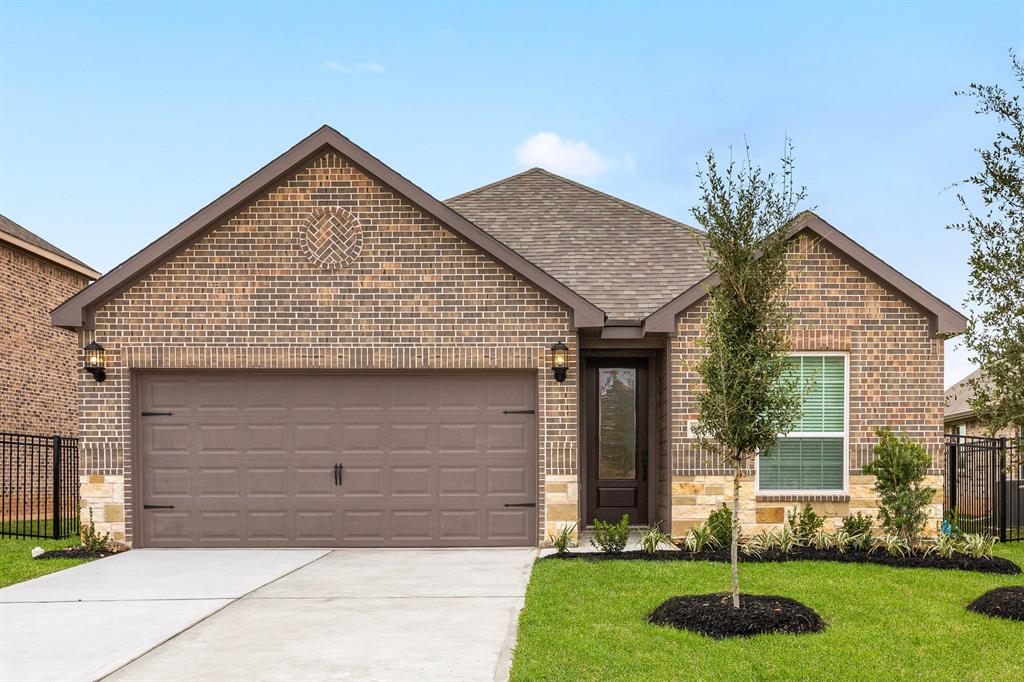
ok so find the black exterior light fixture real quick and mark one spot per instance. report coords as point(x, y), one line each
point(96, 361)
point(559, 361)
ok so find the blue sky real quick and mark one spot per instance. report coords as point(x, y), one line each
point(117, 121)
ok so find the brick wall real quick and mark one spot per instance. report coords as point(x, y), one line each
point(247, 295)
point(895, 370)
point(37, 385)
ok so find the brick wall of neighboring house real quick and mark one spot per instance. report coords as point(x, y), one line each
point(37, 385)
point(974, 427)
point(896, 380)
point(245, 295)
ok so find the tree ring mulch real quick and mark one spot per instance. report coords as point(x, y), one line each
point(714, 616)
point(1002, 602)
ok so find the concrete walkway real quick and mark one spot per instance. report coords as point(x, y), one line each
point(360, 614)
point(88, 621)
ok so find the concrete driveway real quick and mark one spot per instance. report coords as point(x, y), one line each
point(355, 614)
point(88, 621)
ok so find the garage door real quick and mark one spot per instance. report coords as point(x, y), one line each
point(377, 459)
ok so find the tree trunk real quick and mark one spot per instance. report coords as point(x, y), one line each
point(735, 549)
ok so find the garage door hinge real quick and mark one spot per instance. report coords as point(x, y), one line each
point(156, 414)
point(519, 411)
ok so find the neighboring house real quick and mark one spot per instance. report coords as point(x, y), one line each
point(960, 418)
point(38, 394)
point(328, 355)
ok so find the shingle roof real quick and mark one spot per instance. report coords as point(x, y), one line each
point(15, 230)
point(958, 395)
point(626, 260)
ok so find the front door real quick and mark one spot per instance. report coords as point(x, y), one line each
point(616, 439)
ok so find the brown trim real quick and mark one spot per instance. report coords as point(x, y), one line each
point(944, 319)
point(74, 312)
point(48, 255)
point(802, 498)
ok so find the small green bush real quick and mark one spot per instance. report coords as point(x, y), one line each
point(978, 546)
point(806, 523)
point(563, 539)
point(653, 538)
point(91, 540)
point(700, 538)
point(788, 540)
point(720, 523)
point(858, 524)
point(899, 468)
point(892, 543)
point(611, 537)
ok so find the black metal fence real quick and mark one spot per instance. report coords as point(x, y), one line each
point(985, 485)
point(38, 486)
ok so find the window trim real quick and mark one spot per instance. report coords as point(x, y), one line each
point(818, 434)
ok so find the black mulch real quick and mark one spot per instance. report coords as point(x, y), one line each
point(77, 553)
point(1002, 602)
point(714, 616)
point(958, 562)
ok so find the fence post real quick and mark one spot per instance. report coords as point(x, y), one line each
point(56, 487)
point(1004, 503)
point(951, 474)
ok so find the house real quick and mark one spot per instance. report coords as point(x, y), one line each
point(960, 418)
point(38, 394)
point(328, 355)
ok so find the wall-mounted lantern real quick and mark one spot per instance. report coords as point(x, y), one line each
point(96, 361)
point(559, 361)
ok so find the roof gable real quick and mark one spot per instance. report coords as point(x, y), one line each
point(944, 319)
point(627, 260)
point(16, 235)
point(76, 311)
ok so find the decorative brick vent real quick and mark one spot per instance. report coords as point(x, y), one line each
point(332, 237)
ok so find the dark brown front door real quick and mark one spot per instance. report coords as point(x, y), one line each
point(616, 439)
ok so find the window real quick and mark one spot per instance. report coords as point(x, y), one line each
point(812, 457)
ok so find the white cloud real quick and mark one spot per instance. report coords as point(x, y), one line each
point(364, 67)
point(567, 157)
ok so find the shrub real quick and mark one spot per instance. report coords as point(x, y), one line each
point(654, 538)
point(893, 544)
point(611, 537)
point(944, 546)
point(787, 540)
point(862, 541)
point(822, 539)
point(91, 540)
point(720, 523)
point(561, 540)
point(701, 537)
point(978, 546)
point(804, 523)
point(899, 468)
point(858, 524)
point(842, 540)
point(765, 541)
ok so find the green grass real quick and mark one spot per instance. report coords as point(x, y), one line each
point(587, 620)
point(17, 564)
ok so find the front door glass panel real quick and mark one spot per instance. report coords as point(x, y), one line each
point(617, 423)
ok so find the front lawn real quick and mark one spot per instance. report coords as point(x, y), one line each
point(17, 564)
point(587, 620)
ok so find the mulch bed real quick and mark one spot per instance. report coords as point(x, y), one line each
point(714, 616)
point(79, 553)
point(1002, 602)
point(959, 562)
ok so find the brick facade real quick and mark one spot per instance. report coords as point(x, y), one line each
point(247, 296)
point(895, 380)
point(37, 386)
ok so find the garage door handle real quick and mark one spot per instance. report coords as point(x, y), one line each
point(337, 474)
point(519, 411)
point(520, 504)
point(158, 506)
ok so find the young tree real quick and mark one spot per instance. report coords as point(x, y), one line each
point(995, 334)
point(747, 400)
point(900, 467)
